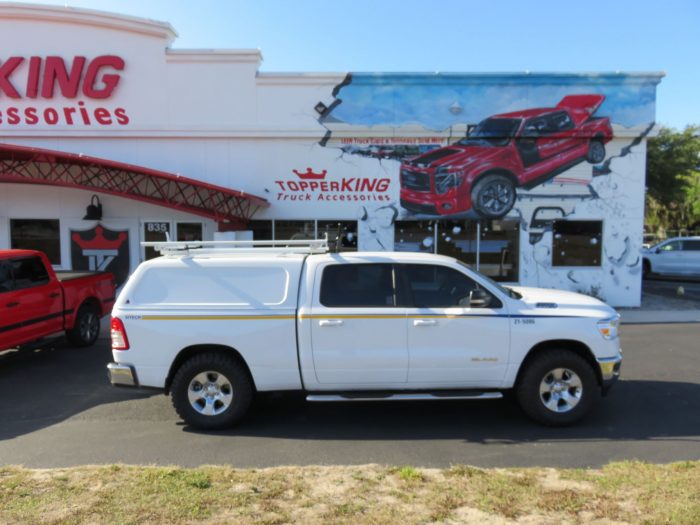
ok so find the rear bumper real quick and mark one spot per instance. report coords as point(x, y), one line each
point(609, 371)
point(121, 375)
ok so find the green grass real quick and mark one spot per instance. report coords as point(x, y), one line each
point(624, 492)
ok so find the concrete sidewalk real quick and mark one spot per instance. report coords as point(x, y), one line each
point(643, 316)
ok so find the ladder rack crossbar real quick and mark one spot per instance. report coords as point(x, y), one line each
point(239, 247)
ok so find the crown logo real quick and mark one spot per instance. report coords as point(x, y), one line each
point(310, 175)
point(99, 241)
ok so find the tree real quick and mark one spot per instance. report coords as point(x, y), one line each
point(673, 179)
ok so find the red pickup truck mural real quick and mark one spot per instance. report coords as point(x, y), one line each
point(505, 152)
point(36, 302)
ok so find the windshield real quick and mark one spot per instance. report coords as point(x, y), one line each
point(492, 132)
point(503, 289)
point(660, 245)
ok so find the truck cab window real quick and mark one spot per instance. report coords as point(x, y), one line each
point(28, 272)
point(6, 284)
point(433, 286)
point(358, 285)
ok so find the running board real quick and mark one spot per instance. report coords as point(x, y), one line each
point(435, 396)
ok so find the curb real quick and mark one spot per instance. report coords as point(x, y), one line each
point(659, 316)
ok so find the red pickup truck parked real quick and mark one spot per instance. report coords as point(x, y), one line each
point(36, 302)
point(517, 149)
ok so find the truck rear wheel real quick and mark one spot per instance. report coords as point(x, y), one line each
point(211, 391)
point(86, 329)
point(557, 388)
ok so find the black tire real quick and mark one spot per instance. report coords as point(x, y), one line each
point(646, 268)
point(562, 410)
point(493, 196)
point(596, 152)
point(86, 329)
point(230, 396)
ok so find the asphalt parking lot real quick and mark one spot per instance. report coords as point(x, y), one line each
point(57, 409)
point(673, 288)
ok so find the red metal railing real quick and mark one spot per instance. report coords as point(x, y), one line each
point(24, 165)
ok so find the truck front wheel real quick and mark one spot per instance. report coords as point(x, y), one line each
point(596, 152)
point(557, 388)
point(87, 326)
point(493, 196)
point(211, 391)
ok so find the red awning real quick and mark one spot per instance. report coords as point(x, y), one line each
point(24, 165)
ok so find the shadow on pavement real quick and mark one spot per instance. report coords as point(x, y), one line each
point(42, 386)
point(634, 410)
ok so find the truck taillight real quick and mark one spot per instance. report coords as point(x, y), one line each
point(119, 339)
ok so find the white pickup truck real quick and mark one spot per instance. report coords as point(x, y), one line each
point(213, 326)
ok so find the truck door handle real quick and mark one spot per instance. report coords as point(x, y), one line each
point(12, 304)
point(54, 294)
point(330, 322)
point(424, 322)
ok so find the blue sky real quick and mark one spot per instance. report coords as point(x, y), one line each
point(371, 100)
point(449, 36)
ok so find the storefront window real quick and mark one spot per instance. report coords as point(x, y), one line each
point(345, 231)
point(37, 234)
point(458, 239)
point(308, 230)
point(415, 236)
point(295, 230)
point(189, 231)
point(262, 230)
point(577, 243)
point(495, 254)
point(498, 250)
point(154, 231)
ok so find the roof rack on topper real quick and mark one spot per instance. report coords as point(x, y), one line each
point(280, 246)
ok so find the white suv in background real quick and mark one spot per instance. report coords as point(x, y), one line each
point(676, 256)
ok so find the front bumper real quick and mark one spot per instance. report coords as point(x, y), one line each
point(121, 375)
point(430, 203)
point(609, 371)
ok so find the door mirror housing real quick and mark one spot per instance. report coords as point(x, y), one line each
point(479, 298)
point(658, 250)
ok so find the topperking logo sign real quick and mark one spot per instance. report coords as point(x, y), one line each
point(101, 250)
point(58, 91)
point(309, 186)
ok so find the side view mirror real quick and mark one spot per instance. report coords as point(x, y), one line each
point(479, 298)
point(658, 250)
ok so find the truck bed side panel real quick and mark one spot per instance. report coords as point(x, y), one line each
point(265, 339)
point(246, 304)
point(96, 287)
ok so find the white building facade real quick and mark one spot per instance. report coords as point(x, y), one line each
point(533, 178)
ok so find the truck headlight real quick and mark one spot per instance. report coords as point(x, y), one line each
point(444, 181)
point(608, 328)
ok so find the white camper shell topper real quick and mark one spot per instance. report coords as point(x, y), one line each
point(212, 323)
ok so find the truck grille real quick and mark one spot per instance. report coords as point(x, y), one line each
point(412, 180)
point(421, 209)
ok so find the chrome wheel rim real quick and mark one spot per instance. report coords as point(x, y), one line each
point(497, 197)
point(89, 325)
point(210, 393)
point(561, 390)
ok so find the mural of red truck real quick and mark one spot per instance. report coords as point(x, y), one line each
point(520, 149)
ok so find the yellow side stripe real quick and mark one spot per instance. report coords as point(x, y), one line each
point(275, 317)
point(387, 316)
point(351, 316)
point(215, 317)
